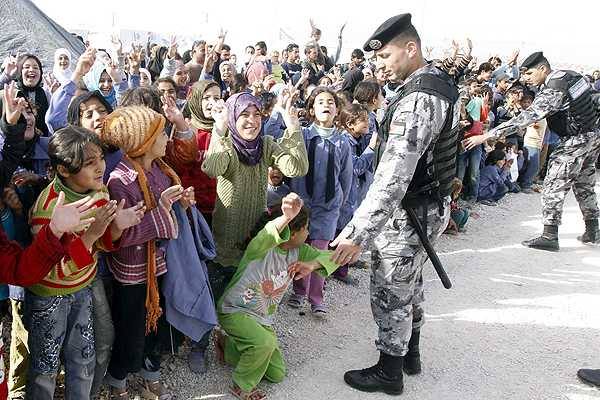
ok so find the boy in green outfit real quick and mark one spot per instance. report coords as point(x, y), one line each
point(276, 255)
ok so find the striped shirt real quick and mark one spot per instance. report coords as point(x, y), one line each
point(128, 263)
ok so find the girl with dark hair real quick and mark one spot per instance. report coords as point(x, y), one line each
point(325, 187)
point(493, 178)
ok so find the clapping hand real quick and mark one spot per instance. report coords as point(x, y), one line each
point(68, 217)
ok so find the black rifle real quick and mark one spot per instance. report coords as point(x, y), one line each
point(437, 264)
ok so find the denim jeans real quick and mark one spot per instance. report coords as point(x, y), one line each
point(60, 328)
point(533, 164)
point(470, 159)
point(104, 331)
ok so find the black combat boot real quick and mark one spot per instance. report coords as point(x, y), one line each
point(590, 376)
point(592, 232)
point(548, 241)
point(412, 359)
point(385, 376)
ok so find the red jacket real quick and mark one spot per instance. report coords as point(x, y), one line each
point(25, 267)
point(186, 157)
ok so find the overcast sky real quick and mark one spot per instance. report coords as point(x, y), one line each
point(567, 32)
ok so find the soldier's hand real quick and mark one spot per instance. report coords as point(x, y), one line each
point(346, 251)
point(474, 141)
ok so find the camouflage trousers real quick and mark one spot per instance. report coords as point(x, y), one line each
point(571, 166)
point(397, 281)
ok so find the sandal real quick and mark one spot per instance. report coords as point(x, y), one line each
point(219, 342)
point(154, 391)
point(254, 394)
point(295, 301)
point(319, 312)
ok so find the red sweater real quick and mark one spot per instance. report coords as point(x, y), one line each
point(186, 157)
point(26, 267)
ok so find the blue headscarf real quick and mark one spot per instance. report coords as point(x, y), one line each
point(92, 82)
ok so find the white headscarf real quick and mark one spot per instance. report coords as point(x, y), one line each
point(144, 71)
point(62, 75)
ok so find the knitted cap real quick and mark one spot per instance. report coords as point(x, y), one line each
point(133, 129)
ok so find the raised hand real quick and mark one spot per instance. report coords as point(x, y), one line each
point(84, 64)
point(128, 217)
point(51, 82)
point(117, 44)
point(291, 206)
point(342, 30)
point(173, 114)
point(290, 117)
point(219, 113)
point(113, 71)
point(172, 47)
point(10, 65)
point(134, 58)
point(469, 47)
point(13, 105)
point(188, 199)
point(68, 218)
point(170, 196)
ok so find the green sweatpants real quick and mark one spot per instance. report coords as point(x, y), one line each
point(252, 349)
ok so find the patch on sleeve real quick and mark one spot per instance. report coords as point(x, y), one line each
point(578, 88)
point(398, 125)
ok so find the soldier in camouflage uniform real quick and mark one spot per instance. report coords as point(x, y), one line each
point(381, 224)
point(571, 108)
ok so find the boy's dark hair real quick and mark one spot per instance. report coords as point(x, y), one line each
point(494, 156)
point(166, 79)
point(357, 53)
point(499, 145)
point(262, 46)
point(142, 96)
point(485, 67)
point(67, 147)
point(240, 83)
point(250, 47)
point(353, 113)
point(267, 101)
point(311, 101)
point(366, 92)
point(187, 56)
point(226, 47)
point(290, 47)
point(299, 221)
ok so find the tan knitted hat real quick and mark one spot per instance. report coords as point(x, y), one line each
point(133, 129)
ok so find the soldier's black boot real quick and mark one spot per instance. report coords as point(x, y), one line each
point(385, 376)
point(412, 359)
point(590, 376)
point(592, 232)
point(548, 241)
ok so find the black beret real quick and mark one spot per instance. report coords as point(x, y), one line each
point(387, 31)
point(533, 60)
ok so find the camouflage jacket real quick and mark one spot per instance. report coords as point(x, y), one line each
point(416, 124)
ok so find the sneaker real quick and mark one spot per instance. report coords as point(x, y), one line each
point(590, 376)
point(295, 301)
point(319, 312)
point(542, 243)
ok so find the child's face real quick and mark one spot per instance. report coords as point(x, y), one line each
point(31, 73)
point(92, 115)
point(298, 238)
point(145, 80)
point(500, 163)
point(181, 76)
point(249, 123)
point(325, 109)
point(209, 98)
point(91, 175)
point(106, 84)
point(159, 148)
point(275, 176)
point(360, 126)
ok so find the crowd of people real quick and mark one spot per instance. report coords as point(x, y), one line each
point(162, 190)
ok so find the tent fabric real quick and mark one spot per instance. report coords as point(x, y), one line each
point(26, 29)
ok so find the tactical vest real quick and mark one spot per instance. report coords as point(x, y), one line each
point(581, 113)
point(436, 168)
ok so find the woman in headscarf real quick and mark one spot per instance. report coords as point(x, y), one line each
point(63, 68)
point(99, 78)
point(185, 155)
point(29, 86)
point(239, 156)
